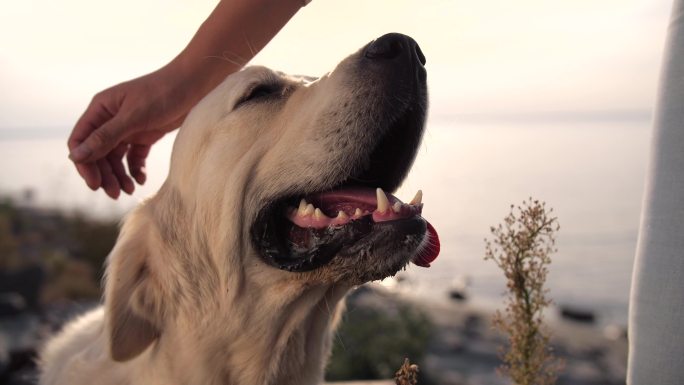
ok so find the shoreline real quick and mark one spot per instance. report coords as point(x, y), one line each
point(464, 348)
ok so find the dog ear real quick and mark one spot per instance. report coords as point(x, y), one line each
point(133, 297)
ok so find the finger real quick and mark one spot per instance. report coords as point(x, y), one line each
point(100, 141)
point(91, 174)
point(94, 116)
point(136, 157)
point(115, 159)
point(110, 184)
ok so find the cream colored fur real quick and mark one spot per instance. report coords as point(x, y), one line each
point(187, 299)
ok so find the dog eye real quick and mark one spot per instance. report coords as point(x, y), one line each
point(259, 92)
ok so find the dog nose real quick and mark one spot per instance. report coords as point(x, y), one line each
point(394, 45)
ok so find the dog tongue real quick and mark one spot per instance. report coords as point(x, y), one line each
point(431, 250)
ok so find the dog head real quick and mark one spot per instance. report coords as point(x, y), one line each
point(320, 156)
point(278, 178)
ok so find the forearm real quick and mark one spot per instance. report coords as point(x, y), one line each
point(230, 37)
point(128, 118)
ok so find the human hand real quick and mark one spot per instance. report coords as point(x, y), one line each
point(124, 121)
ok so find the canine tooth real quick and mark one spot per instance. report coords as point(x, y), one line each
point(383, 202)
point(302, 207)
point(309, 209)
point(358, 212)
point(418, 199)
point(342, 215)
point(318, 214)
point(397, 207)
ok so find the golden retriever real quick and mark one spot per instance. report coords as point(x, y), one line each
point(275, 206)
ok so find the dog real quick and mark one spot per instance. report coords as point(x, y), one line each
point(277, 203)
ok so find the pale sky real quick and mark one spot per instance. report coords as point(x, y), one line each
point(483, 56)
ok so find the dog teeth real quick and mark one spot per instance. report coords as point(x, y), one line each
point(358, 212)
point(397, 207)
point(342, 215)
point(418, 199)
point(302, 207)
point(318, 214)
point(383, 202)
point(309, 210)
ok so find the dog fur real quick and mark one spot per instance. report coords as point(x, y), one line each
point(187, 298)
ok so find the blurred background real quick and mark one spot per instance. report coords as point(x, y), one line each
point(532, 98)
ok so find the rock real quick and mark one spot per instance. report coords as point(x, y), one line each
point(458, 288)
point(457, 295)
point(11, 304)
point(4, 355)
point(25, 282)
point(577, 314)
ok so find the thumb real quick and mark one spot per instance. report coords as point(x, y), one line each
point(100, 142)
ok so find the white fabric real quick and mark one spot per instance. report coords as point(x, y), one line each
point(656, 327)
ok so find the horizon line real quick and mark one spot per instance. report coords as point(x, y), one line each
point(578, 116)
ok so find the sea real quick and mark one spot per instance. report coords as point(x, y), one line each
point(590, 170)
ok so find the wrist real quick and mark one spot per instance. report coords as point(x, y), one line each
point(194, 77)
point(203, 71)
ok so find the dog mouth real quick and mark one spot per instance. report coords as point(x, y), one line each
point(330, 211)
point(304, 233)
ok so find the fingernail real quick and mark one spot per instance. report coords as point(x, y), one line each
point(80, 153)
point(141, 176)
point(114, 194)
point(128, 188)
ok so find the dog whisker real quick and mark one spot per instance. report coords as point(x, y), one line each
point(231, 58)
point(249, 44)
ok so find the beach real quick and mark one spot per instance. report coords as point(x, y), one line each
point(464, 348)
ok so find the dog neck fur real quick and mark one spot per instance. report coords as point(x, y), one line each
point(257, 324)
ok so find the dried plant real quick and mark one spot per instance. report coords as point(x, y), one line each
point(407, 374)
point(522, 248)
